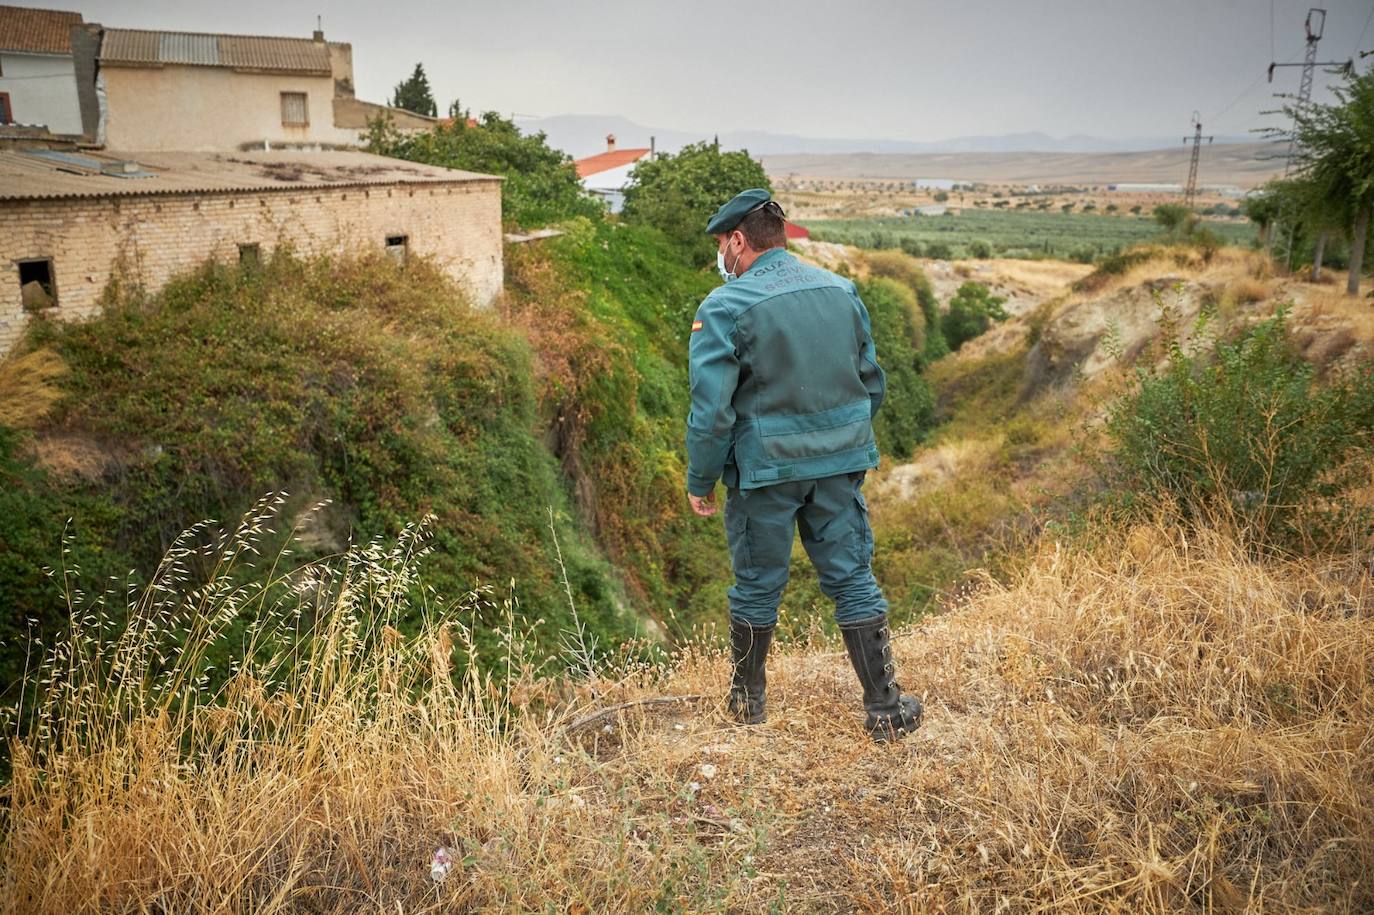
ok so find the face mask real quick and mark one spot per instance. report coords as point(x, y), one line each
point(720, 266)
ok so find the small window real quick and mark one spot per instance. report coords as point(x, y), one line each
point(37, 288)
point(293, 110)
point(250, 255)
point(398, 246)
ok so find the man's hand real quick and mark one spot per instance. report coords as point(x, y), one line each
point(703, 505)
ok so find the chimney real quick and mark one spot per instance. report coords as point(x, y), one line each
point(319, 30)
point(610, 142)
point(652, 153)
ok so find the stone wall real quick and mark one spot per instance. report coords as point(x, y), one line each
point(155, 237)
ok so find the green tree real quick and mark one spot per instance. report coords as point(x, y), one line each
point(971, 312)
point(1176, 219)
point(1262, 208)
point(413, 93)
point(1312, 210)
point(541, 183)
point(677, 194)
point(1334, 149)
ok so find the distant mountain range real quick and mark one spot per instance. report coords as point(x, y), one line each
point(585, 134)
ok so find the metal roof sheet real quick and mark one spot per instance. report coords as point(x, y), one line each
point(138, 47)
point(36, 31)
point(26, 176)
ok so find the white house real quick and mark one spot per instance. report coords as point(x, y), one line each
point(37, 70)
point(605, 175)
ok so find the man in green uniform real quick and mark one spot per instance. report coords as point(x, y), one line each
point(785, 383)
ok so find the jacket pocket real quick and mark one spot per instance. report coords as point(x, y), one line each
point(794, 436)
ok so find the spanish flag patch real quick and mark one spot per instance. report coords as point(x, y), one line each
point(696, 326)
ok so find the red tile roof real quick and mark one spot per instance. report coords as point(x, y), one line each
point(604, 162)
point(38, 31)
point(448, 122)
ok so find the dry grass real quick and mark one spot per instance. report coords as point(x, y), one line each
point(28, 388)
point(1159, 722)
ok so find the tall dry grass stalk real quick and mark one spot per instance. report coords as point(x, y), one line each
point(325, 767)
point(28, 387)
point(1157, 721)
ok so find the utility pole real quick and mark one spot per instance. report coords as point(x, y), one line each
point(1190, 192)
point(1314, 25)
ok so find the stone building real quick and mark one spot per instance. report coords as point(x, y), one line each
point(38, 70)
point(194, 91)
point(69, 221)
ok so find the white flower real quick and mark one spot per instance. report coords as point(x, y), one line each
point(440, 865)
point(707, 771)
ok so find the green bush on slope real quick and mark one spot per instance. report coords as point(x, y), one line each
point(1244, 430)
point(357, 380)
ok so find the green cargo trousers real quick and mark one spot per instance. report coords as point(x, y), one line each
point(833, 519)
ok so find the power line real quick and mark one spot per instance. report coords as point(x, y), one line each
point(1248, 89)
point(1359, 41)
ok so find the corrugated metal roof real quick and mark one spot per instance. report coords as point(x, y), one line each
point(25, 176)
point(137, 47)
point(36, 31)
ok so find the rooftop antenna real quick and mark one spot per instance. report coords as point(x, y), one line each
point(1190, 192)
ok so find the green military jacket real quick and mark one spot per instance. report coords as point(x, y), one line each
point(785, 379)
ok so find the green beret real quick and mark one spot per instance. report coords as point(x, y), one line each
point(730, 213)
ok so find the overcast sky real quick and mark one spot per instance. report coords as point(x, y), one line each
point(904, 69)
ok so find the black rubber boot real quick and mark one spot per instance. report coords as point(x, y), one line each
point(748, 651)
point(891, 714)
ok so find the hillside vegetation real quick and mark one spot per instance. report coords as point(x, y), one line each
point(376, 390)
point(1132, 704)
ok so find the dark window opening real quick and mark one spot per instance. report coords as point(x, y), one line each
point(250, 255)
point(398, 246)
point(6, 112)
point(37, 288)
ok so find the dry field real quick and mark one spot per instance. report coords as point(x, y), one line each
point(1243, 164)
point(1158, 722)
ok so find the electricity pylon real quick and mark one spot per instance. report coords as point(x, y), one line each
point(1314, 24)
point(1190, 192)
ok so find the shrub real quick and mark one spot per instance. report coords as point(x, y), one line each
point(909, 406)
point(971, 312)
point(677, 194)
point(938, 250)
point(1242, 431)
point(979, 249)
point(541, 183)
point(356, 380)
